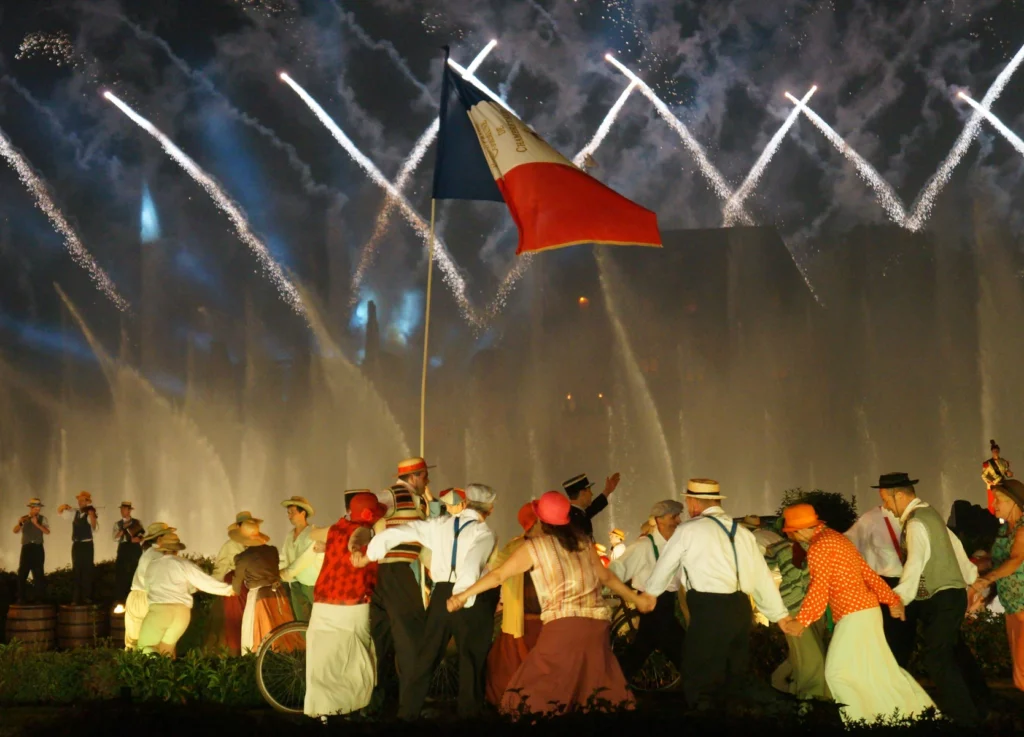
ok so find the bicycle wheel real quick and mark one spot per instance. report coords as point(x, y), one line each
point(281, 667)
point(658, 673)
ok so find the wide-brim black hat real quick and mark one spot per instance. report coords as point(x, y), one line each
point(894, 481)
point(1013, 489)
point(576, 484)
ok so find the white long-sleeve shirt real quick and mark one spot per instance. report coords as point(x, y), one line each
point(874, 543)
point(701, 549)
point(637, 563)
point(173, 580)
point(225, 562)
point(919, 550)
point(476, 541)
point(304, 569)
point(147, 557)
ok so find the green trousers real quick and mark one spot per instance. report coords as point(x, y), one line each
point(301, 599)
point(803, 672)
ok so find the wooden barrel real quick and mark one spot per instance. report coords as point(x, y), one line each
point(33, 624)
point(81, 625)
point(117, 627)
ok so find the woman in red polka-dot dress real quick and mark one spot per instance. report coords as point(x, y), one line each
point(860, 670)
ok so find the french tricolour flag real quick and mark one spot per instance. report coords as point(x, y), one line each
point(484, 152)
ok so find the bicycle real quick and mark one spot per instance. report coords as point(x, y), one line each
point(281, 667)
point(658, 672)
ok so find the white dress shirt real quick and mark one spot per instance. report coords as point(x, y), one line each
point(637, 563)
point(304, 570)
point(874, 543)
point(147, 557)
point(173, 580)
point(919, 550)
point(617, 551)
point(701, 549)
point(476, 541)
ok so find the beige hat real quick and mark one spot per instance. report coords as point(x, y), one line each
point(170, 542)
point(299, 501)
point(34, 502)
point(248, 534)
point(127, 504)
point(242, 517)
point(156, 529)
point(703, 489)
point(665, 507)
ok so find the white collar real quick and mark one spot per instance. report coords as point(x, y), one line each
point(911, 507)
point(471, 514)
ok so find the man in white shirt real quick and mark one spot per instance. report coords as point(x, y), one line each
point(170, 583)
point(660, 629)
point(936, 574)
point(876, 533)
point(722, 568)
point(460, 546)
point(136, 606)
point(300, 571)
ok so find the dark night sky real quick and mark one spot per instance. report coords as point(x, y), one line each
point(887, 75)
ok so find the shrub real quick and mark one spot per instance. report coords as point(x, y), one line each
point(833, 509)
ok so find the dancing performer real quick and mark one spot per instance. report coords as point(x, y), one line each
point(32, 527)
point(128, 533)
point(584, 506)
point(224, 626)
point(573, 661)
point(994, 472)
point(302, 578)
point(861, 672)
point(136, 605)
point(83, 554)
point(258, 569)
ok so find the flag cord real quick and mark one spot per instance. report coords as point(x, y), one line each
point(426, 331)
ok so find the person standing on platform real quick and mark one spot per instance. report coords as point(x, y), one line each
point(302, 577)
point(722, 568)
point(461, 546)
point(584, 506)
point(936, 574)
point(136, 606)
point(660, 629)
point(32, 527)
point(616, 543)
point(994, 472)
point(397, 615)
point(876, 534)
point(83, 553)
point(128, 533)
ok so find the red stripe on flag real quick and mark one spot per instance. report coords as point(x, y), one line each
point(555, 205)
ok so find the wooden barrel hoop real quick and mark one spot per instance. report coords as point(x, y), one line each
point(81, 625)
point(32, 624)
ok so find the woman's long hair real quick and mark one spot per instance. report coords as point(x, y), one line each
point(566, 535)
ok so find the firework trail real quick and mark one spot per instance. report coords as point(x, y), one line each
point(471, 78)
point(450, 272)
point(409, 166)
point(1010, 136)
point(753, 177)
point(606, 125)
point(717, 181)
point(44, 202)
point(228, 206)
point(926, 200)
point(887, 197)
point(82, 157)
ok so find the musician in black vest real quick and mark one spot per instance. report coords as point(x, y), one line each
point(83, 554)
point(128, 534)
point(584, 507)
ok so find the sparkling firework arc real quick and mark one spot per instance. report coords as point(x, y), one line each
point(1008, 134)
point(73, 243)
point(228, 206)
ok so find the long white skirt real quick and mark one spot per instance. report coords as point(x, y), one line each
point(249, 621)
point(341, 666)
point(863, 675)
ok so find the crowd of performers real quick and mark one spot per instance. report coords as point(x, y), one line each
point(402, 574)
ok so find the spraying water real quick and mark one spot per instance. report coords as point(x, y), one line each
point(729, 212)
point(1010, 136)
point(922, 208)
point(230, 208)
point(606, 125)
point(44, 202)
point(887, 198)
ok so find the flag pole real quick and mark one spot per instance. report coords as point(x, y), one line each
point(426, 331)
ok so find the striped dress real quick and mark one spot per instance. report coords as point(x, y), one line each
point(566, 582)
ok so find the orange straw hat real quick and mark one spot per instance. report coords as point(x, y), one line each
point(412, 465)
point(800, 517)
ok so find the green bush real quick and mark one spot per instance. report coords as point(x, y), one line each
point(833, 509)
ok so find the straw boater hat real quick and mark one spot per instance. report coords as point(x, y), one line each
point(248, 534)
point(896, 480)
point(156, 529)
point(618, 533)
point(242, 517)
point(412, 465)
point(299, 501)
point(34, 502)
point(127, 504)
point(703, 489)
point(170, 542)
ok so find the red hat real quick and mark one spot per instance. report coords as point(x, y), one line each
point(412, 465)
point(527, 517)
point(552, 508)
point(366, 508)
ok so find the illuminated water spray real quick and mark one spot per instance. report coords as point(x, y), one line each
point(230, 208)
point(731, 209)
point(450, 272)
point(887, 198)
point(73, 243)
point(1010, 136)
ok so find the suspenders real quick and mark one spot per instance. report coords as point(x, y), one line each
point(455, 545)
point(732, 541)
point(655, 546)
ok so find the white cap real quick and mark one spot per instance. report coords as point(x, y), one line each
point(480, 494)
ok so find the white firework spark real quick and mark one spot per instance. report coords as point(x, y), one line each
point(45, 203)
point(606, 125)
point(1010, 136)
point(227, 205)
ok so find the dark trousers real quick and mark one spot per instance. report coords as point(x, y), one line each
point(960, 689)
point(657, 630)
point(82, 565)
point(396, 620)
point(473, 629)
point(32, 558)
point(901, 635)
point(128, 555)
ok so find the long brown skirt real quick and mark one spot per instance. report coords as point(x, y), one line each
point(572, 667)
point(506, 655)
